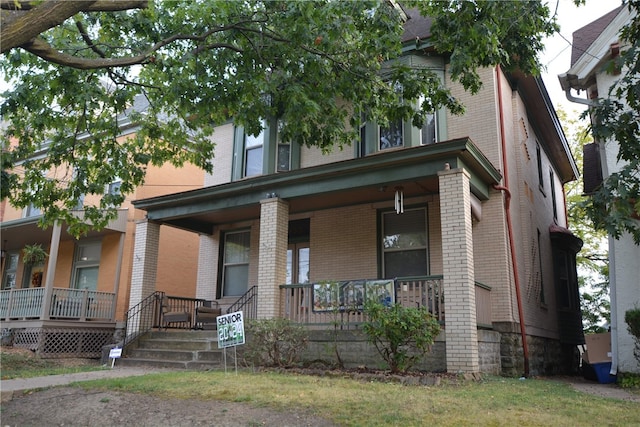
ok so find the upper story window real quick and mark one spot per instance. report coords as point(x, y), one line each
point(540, 173)
point(253, 153)
point(264, 153)
point(391, 136)
point(554, 203)
point(30, 211)
point(283, 161)
point(428, 133)
point(114, 187)
point(374, 138)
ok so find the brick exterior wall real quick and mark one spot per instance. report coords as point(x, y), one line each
point(222, 161)
point(459, 287)
point(343, 244)
point(314, 156)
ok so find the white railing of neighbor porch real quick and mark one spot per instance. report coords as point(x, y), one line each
point(73, 304)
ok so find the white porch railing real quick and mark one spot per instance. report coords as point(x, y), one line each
point(71, 304)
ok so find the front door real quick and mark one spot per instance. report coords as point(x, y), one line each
point(298, 263)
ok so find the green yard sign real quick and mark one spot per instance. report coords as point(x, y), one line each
point(230, 329)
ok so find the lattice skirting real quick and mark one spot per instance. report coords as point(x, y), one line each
point(63, 342)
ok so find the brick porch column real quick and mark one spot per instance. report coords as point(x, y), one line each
point(459, 286)
point(207, 279)
point(272, 257)
point(145, 261)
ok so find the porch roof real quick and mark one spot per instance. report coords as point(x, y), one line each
point(19, 232)
point(363, 180)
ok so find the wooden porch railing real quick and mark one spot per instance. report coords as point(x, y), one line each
point(68, 304)
point(483, 305)
point(299, 301)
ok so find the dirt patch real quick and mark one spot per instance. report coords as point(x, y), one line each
point(71, 406)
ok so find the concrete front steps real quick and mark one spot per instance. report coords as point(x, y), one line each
point(197, 350)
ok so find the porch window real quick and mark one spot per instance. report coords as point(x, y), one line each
point(298, 264)
point(10, 271)
point(235, 263)
point(404, 243)
point(566, 282)
point(86, 265)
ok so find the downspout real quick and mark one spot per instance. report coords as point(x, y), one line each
point(512, 246)
point(613, 300)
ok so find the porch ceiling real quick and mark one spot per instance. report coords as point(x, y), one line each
point(26, 231)
point(364, 180)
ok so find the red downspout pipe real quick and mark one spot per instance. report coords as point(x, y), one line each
point(505, 188)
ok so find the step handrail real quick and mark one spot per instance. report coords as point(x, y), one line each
point(142, 317)
point(247, 303)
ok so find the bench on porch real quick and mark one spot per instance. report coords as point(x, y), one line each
point(173, 315)
point(206, 315)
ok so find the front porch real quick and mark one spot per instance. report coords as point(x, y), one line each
point(58, 322)
point(342, 216)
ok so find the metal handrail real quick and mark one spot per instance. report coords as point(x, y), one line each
point(142, 317)
point(248, 303)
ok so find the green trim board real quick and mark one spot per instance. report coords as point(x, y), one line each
point(385, 168)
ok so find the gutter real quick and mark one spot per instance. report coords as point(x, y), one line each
point(512, 248)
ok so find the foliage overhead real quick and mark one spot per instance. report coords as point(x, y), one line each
point(77, 67)
point(615, 207)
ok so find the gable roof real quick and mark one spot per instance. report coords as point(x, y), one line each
point(584, 37)
point(598, 38)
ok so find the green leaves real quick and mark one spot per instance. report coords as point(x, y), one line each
point(315, 65)
point(402, 335)
point(615, 207)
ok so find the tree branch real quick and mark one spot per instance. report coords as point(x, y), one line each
point(19, 26)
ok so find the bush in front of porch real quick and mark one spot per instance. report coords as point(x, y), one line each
point(402, 335)
point(274, 342)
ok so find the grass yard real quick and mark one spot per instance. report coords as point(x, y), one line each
point(21, 363)
point(494, 401)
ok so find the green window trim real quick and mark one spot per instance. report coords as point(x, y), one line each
point(269, 152)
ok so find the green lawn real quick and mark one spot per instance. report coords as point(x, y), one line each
point(494, 401)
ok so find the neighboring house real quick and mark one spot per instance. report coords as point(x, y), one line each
point(594, 45)
point(466, 216)
point(70, 303)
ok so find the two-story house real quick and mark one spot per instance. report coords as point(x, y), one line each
point(69, 304)
point(466, 216)
point(594, 45)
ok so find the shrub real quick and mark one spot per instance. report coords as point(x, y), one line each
point(274, 342)
point(402, 335)
point(632, 318)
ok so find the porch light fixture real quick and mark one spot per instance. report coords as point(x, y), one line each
point(399, 200)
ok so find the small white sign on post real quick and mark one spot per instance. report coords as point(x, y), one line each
point(115, 353)
point(230, 329)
